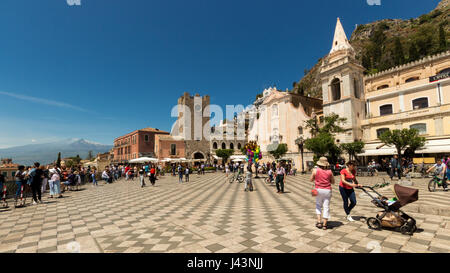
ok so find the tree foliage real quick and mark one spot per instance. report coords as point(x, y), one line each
point(279, 151)
point(224, 154)
point(352, 149)
point(403, 139)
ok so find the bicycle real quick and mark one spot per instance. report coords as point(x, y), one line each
point(436, 181)
point(269, 180)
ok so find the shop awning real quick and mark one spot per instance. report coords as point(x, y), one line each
point(436, 146)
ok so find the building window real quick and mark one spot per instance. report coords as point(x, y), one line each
point(239, 146)
point(215, 146)
point(231, 146)
point(381, 131)
point(412, 79)
point(383, 86)
point(223, 146)
point(275, 110)
point(386, 110)
point(173, 149)
point(420, 103)
point(356, 88)
point(146, 138)
point(300, 130)
point(336, 89)
point(421, 127)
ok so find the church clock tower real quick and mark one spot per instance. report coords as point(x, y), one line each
point(343, 87)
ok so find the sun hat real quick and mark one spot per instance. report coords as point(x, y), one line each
point(323, 162)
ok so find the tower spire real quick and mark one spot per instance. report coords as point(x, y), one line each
point(340, 41)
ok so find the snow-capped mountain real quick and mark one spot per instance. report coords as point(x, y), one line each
point(48, 152)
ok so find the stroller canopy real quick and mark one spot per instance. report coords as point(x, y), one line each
point(406, 195)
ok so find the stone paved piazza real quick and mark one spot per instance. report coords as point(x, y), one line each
point(211, 215)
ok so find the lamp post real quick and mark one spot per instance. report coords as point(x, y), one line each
point(300, 142)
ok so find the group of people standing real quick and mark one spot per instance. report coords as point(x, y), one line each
point(38, 178)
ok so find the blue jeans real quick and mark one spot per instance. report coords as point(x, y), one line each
point(19, 185)
point(348, 194)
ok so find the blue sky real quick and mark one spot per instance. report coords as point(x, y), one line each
point(107, 67)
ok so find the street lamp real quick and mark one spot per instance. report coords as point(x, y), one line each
point(300, 142)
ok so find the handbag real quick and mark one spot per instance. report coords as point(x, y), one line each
point(314, 192)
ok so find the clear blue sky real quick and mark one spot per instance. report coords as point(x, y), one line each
point(107, 67)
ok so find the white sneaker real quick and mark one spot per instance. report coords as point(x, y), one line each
point(34, 203)
point(350, 219)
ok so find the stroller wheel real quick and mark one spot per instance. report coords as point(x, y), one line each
point(406, 230)
point(374, 223)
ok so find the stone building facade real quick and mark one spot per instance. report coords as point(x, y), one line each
point(279, 117)
point(414, 95)
point(193, 125)
point(139, 143)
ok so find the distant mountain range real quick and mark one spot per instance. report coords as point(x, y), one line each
point(48, 152)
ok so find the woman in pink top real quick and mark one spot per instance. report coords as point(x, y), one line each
point(323, 178)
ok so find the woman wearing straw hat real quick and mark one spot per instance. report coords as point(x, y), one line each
point(322, 178)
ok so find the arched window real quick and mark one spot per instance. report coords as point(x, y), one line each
point(336, 89)
point(411, 79)
point(420, 103)
point(381, 131)
point(383, 86)
point(421, 127)
point(224, 146)
point(275, 110)
point(356, 88)
point(386, 110)
point(239, 146)
point(231, 146)
point(215, 145)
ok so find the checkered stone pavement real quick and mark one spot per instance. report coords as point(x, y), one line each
point(210, 215)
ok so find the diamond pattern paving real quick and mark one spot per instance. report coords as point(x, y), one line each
point(211, 215)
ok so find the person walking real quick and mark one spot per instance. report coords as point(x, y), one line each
point(141, 176)
point(45, 179)
point(180, 174)
point(55, 184)
point(395, 167)
point(153, 175)
point(186, 174)
point(346, 188)
point(94, 181)
point(322, 178)
point(35, 181)
point(19, 177)
point(248, 179)
point(280, 178)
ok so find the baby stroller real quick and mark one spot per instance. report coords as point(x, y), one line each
point(392, 216)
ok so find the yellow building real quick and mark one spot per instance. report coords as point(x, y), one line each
point(414, 95)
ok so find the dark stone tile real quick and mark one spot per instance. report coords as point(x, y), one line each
point(285, 248)
point(215, 247)
point(249, 243)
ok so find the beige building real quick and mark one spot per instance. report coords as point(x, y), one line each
point(228, 135)
point(279, 117)
point(414, 95)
